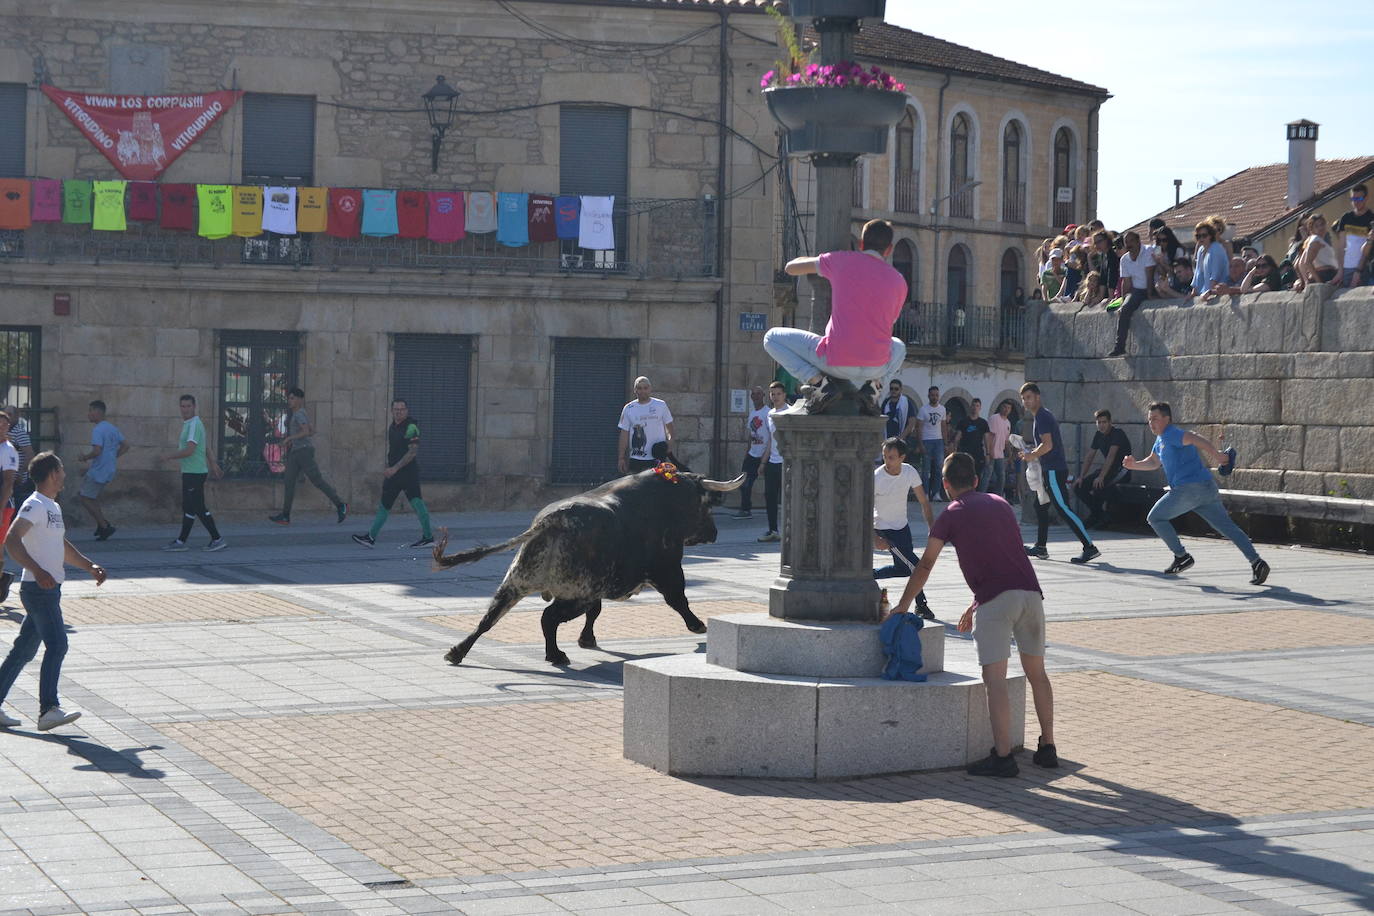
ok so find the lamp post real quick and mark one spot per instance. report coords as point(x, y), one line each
point(966, 186)
point(440, 102)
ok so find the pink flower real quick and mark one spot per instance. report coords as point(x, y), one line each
point(767, 79)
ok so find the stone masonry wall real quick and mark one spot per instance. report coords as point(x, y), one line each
point(1286, 378)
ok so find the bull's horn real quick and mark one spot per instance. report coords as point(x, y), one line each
point(723, 486)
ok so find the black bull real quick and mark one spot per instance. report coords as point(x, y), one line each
point(607, 543)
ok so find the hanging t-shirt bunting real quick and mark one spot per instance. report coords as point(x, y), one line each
point(247, 211)
point(481, 212)
point(76, 201)
point(345, 212)
point(513, 219)
point(108, 206)
point(541, 227)
point(15, 208)
point(279, 211)
point(446, 216)
point(567, 211)
point(178, 210)
point(142, 205)
point(47, 200)
point(216, 220)
point(595, 229)
point(379, 213)
point(411, 207)
point(312, 209)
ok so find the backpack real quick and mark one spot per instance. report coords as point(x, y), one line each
point(900, 635)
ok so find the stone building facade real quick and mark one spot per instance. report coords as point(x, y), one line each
point(511, 351)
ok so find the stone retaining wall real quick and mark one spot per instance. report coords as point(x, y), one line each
point(1286, 378)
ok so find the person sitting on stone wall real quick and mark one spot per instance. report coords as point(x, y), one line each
point(867, 295)
point(1178, 282)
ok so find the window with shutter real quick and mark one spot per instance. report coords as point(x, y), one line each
point(433, 374)
point(14, 100)
point(591, 381)
point(278, 139)
point(594, 159)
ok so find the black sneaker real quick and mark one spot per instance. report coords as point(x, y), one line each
point(364, 539)
point(424, 542)
point(6, 579)
point(279, 519)
point(1038, 551)
point(103, 534)
point(1261, 572)
point(342, 511)
point(1045, 755)
point(924, 610)
point(992, 765)
point(1089, 553)
point(1180, 564)
point(1116, 353)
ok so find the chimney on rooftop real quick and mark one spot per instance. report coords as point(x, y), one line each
point(1302, 161)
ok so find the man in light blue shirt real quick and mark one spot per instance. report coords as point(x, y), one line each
point(107, 445)
point(1191, 489)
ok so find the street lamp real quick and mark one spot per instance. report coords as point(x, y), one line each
point(440, 102)
point(966, 186)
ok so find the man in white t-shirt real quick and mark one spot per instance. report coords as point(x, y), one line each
point(892, 481)
point(933, 421)
point(9, 476)
point(1137, 278)
point(756, 434)
point(772, 469)
point(643, 422)
point(38, 541)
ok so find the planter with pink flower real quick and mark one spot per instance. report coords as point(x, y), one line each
point(835, 109)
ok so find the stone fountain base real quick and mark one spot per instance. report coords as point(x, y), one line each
point(797, 699)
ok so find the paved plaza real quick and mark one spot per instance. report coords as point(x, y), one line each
point(273, 729)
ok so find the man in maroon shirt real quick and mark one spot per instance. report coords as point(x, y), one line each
point(1007, 601)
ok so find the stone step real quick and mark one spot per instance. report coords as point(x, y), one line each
point(763, 644)
point(687, 717)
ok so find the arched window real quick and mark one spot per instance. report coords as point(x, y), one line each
point(1013, 183)
point(1010, 280)
point(904, 259)
point(960, 168)
point(1064, 191)
point(1012, 294)
point(907, 171)
point(957, 283)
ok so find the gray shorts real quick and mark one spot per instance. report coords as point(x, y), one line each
point(90, 488)
point(1013, 613)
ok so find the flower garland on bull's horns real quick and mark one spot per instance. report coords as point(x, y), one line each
point(845, 74)
point(667, 471)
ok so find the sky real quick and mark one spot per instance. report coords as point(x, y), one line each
point(1199, 91)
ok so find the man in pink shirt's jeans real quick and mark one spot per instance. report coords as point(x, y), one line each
point(867, 295)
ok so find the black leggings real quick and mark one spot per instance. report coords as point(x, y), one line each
point(1061, 503)
point(772, 492)
point(193, 506)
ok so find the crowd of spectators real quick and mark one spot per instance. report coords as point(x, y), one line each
point(1095, 266)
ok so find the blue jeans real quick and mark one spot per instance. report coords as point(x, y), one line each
point(995, 480)
point(795, 350)
point(42, 623)
point(902, 550)
point(934, 469)
point(1200, 497)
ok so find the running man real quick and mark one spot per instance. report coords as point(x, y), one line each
point(9, 474)
point(756, 434)
point(1191, 488)
point(38, 540)
point(300, 459)
point(893, 480)
point(1007, 602)
point(107, 446)
point(402, 475)
point(197, 463)
point(1054, 466)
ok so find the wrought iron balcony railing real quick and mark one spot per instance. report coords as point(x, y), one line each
point(939, 326)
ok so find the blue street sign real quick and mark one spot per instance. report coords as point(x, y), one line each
point(753, 321)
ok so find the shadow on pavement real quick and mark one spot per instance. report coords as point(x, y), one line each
point(102, 759)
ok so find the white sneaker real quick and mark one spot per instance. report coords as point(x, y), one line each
point(55, 717)
point(217, 544)
point(175, 545)
point(9, 721)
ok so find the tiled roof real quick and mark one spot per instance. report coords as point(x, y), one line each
point(746, 6)
point(890, 44)
point(1256, 198)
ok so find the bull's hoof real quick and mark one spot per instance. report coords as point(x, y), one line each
point(587, 644)
point(455, 655)
point(698, 627)
point(558, 659)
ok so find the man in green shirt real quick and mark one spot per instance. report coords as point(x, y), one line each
point(197, 463)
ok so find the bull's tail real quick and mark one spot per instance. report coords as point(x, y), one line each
point(442, 561)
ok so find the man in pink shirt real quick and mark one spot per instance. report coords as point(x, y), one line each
point(1000, 424)
point(867, 294)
